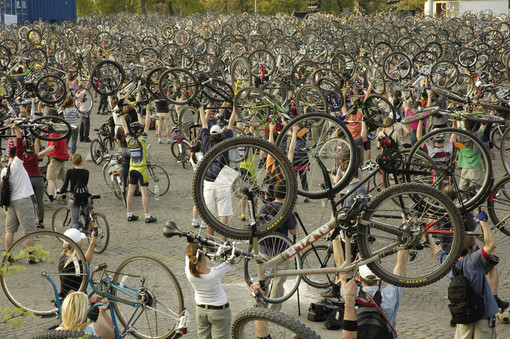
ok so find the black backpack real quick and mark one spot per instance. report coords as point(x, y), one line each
point(465, 305)
point(5, 189)
point(372, 324)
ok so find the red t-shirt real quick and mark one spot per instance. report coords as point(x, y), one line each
point(60, 150)
point(30, 161)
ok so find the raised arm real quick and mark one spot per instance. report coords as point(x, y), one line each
point(203, 118)
point(293, 142)
point(232, 120)
point(488, 238)
point(147, 120)
point(124, 124)
point(400, 267)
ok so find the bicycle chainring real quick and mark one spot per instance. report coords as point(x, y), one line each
point(390, 160)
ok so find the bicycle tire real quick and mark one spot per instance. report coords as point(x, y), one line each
point(442, 71)
point(258, 183)
point(241, 74)
point(280, 324)
point(397, 66)
point(498, 203)
point(188, 117)
point(43, 127)
point(312, 260)
point(504, 150)
point(250, 103)
point(320, 128)
point(309, 99)
point(421, 202)
point(83, 92)
point(260, 57)
point(103, 230)
point(152, 82)
point(56, 334)
point(38, 298)
point(473, 196)
point(51, 89)
point(375, 77)
point(461, 83)
point(120, 191)
point(496, 136)
point(494, 106)
point(152, 285)
point(61, 220)
point(158, 174)
point(449, 94)
point(270, 246)
point(97, 150)
point(37, 56)
point(378, 109)
point(467, 57)
point(179, 86)
point(106, 176)
point(181, 157)
point(424, 114)
point(7, 88)
point(110, 74)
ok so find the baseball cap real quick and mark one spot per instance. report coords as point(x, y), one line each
point(74, 235)
point(215, 129)
point(366, 273)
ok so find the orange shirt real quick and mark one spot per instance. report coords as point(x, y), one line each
point(354, 127)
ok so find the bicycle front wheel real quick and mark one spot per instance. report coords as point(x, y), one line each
point(146, 285)
point(97, 150)
point(247, 323)
point(399, 218)
point(278, 289)
point(50, 128)
point(24, 283)
point(318, 256)
point(159, 176)
point(215, 176)
point(498, 205)
point(103, 230)
point(61, 220)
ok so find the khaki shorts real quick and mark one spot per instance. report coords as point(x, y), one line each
point(56, 170)
point(20, 212)
point(218, 199)
point(164, 119)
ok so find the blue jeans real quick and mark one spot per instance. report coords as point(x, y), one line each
point(84, 127)
point(75, 213)
point(73, 136)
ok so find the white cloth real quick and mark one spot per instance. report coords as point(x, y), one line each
point(208, 289)
point(19, 180)
point(199, 156)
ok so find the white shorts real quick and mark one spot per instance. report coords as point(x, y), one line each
point(218, 199)
point(471, 178)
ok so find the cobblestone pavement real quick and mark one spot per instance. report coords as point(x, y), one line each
point(423, 311)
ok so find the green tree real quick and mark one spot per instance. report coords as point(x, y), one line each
point(418, 5)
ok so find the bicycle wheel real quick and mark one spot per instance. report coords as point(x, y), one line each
point(447, 93)
point(181, 151)
point(103, 229)
point(375, 77)
point(379, 110)
point(498, 205)
point(397, 66)
point(461, 83)
point(107, 77)
point(424, 114)
point(443, 71)
point(398, 218)
point(280, 325)
point(315, 257)
point(278, 289)
point(119, 190)
point(178, 86)
point(262, 63)
point(309, 99)
point(37, 59)
point(61, 220)
point(215, 174)
point(504, 150)
point(449, 148)
point(83, 100)
point(6, 87)
point(316, 130)
point(47, 252)
point(158, 175)
point(97, 150)
point(188, 117)
point(497, 135)
point(252, 106)
point(50, 89)
point(106, 168)
point(151, 291)
point(241, 74)
point(50, 128)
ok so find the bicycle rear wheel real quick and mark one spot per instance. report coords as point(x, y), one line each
point(61, 220)
point(278, 289)
point(309, 99)
point(317, 130)
point(103, 230)
point(222, 159)
point(498, 205)
point(252, 106)
point(280, 325)
point(24, 284)
point(398, 218)
point(107, 77)
point(151, 290)
point(50, 128)
point(97, 150)
point(160, 176)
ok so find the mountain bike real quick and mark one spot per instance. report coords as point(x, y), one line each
point(144, 295)
point(103, 144)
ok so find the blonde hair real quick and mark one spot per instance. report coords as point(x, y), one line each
point(74, 311)
point(77, 159)
point(191, 252)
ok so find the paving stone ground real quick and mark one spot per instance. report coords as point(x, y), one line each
point(423, 311)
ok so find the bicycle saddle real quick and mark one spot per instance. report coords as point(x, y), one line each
point(171, 230)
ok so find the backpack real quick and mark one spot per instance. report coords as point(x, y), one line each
point(81, 196)
point(389, 141)
point(5, 189)
point(465, 305)
point(372, 323)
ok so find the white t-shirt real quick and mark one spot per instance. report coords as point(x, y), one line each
point(208, 290)
point(19, 180)
point(199, 156)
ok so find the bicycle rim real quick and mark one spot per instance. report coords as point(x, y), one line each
point(280, 325)
point(37, 296)
point(103, 230)
point(315, 257)
point(160, 176)
point(61, 220)
point(418, 210)
point(498, 205)
point(154, 287)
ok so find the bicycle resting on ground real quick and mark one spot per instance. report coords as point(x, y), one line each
point(144, 295)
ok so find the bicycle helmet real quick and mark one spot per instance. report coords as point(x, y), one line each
point(136, 127)
point(438, 137)
point(196, 145)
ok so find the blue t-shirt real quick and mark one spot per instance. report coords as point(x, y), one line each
point(472, 267)
point(274, 246)
point(351, 195)
point(214, 168)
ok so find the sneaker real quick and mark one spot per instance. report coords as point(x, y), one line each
point(306, 200)
point(10, 259)
point(168, 141)
point(159, 141)
point(133, 218)
point(39, 225)
point(242, 217)
point(195, 224)
point(203, 225)
point(150, 219)
point(502, 304)
point(330, 294)
point(87, 140)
